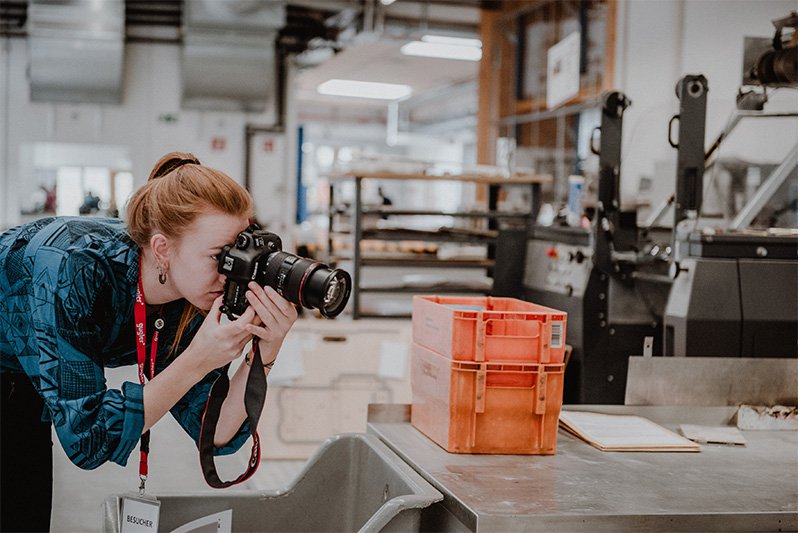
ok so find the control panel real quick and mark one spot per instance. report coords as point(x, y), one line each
point(557, 267)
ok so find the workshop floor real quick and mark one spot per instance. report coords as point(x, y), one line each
point(174, 466)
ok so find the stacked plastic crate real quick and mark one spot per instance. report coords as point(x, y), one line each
point(487, 374)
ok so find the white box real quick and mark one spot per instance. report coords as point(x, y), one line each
point(327, 373)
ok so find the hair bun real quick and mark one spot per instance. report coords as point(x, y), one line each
point(170, 162)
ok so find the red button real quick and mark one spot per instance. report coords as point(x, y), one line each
point(552, 252)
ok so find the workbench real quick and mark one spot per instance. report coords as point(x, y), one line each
point(722, 488)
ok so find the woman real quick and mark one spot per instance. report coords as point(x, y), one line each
point(68, 289)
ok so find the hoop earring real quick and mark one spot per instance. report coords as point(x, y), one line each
point(162, 276)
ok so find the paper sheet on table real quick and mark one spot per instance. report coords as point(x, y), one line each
point(713, 434)
point(624, 433)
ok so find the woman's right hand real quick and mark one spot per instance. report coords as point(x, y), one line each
point(217, 344)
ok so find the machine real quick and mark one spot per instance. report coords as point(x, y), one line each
point(735, 289)
point(699, 289)
point(611, 279)
point(694, 290)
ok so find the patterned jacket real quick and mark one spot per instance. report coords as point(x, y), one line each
point(67, 287)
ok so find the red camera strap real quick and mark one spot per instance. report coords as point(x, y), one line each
point(254, 396)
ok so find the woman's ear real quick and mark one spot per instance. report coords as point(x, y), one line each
point(160, 246)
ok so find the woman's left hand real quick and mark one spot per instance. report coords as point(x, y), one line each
point(276, 318)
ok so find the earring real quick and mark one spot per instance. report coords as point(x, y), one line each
point(162, 276)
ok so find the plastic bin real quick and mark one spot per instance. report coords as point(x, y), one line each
point(353, 483)
point(499, 408)
point(489, 329)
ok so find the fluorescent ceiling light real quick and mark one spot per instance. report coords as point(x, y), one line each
point(364, 89)
point(442, 51)
point(459, 41)
point(444, 47)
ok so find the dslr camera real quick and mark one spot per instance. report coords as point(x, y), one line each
point(256, 255)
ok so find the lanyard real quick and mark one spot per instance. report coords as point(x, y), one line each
point(255, 394)
point(140, 317)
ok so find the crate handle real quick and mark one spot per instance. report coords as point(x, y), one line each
point(541, 393)
point(480, 403)
point(521, 322)
point(480, 339)
point(480, 390)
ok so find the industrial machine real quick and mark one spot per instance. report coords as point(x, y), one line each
point(696, 290)
point(735, 289)
point(610, 279)
point(699, 289)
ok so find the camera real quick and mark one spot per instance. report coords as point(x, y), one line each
point(257, 255)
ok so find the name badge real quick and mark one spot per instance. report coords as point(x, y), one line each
point(139, 515)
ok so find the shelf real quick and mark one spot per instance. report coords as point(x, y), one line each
point(415, 253)
point(387, 315)
point(411, 259)
point(431, 236)
point(431, 263)
point(516, 179)
point(463, 214)
point(426, 290)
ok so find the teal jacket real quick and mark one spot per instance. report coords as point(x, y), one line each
point(67, 287)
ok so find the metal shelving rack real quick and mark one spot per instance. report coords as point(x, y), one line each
point(491, 214)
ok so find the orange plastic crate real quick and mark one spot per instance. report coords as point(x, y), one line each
point(498, 408)
point(489, 329)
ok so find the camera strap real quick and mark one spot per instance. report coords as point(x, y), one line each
point(254, 396)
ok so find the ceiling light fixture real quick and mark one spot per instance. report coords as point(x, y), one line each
point(459, 41)
point(387, 2)
point(364, 89)
point(443, 47)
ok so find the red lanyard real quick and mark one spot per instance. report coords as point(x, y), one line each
point(255, 395)
point(140, 317)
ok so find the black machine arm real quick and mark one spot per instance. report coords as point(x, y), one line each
point(612, 230)
point(692, 91)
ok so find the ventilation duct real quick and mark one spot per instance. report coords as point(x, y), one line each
point(75, 49)
point(228, 59)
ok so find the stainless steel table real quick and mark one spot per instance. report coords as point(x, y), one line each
point(722, 488)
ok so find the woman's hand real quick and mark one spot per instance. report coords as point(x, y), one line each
point(218, 343)
point(276, 316)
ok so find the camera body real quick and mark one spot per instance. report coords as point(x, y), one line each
point(257, 256)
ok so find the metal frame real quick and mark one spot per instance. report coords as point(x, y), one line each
point(766, 191)
point(692, 91)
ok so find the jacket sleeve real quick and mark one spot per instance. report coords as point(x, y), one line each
point(74, 305)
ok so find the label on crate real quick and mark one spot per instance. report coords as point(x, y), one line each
point(557, 334)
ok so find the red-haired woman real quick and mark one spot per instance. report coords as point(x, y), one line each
point(68, 307)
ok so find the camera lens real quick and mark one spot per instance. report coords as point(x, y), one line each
point(327, 290)
point(308, 283)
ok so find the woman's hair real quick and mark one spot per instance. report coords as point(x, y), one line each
point(178, 189)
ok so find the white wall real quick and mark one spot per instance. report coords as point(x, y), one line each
point(151, 89)
point(6, 203)
point(660, 41)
